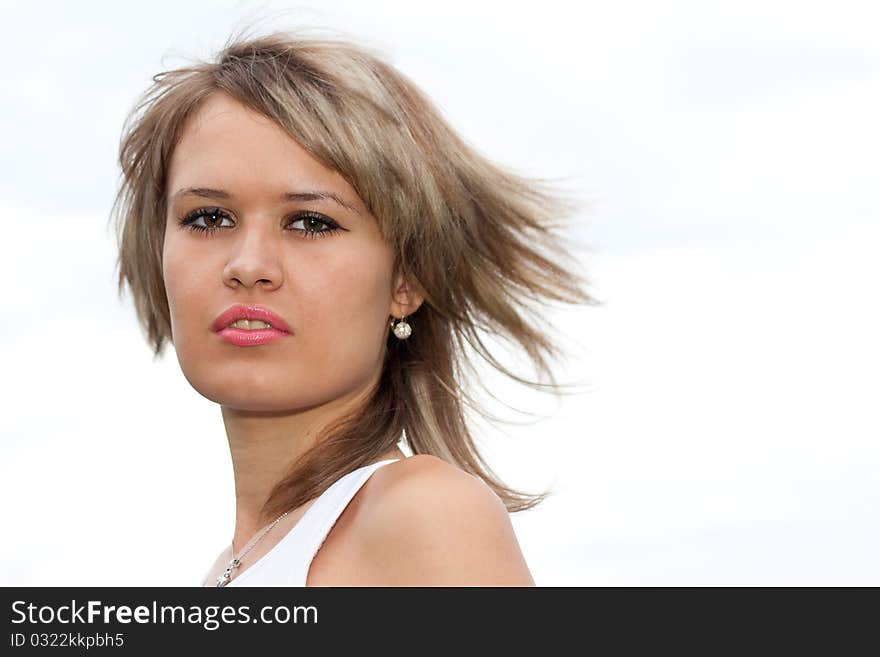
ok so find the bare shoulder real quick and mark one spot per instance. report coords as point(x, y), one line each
point(426, 522)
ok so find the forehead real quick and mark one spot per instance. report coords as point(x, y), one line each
point(225, 144)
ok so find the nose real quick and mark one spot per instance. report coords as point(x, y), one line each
point(255, 257)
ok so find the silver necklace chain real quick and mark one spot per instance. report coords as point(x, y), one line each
point(235, 562)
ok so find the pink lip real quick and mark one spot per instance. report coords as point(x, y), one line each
point(246, 338)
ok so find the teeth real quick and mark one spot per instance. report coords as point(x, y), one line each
point(249, 324)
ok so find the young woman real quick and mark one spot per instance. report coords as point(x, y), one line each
point(321, 249)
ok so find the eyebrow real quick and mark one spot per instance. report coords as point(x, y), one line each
point(208, 192)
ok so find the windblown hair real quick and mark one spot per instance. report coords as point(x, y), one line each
point(476, 240)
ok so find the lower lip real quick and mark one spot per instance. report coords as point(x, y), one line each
point(246, 338)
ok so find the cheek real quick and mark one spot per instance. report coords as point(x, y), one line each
point(346, 311)
point(172, 274)
point(181, 273)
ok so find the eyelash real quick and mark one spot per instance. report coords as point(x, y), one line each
point(188, 220)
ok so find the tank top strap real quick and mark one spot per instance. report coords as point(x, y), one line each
point(323, 514)
point(288, 562)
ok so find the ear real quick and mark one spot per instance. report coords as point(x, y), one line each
point(405, 298)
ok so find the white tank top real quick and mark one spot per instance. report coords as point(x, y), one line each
point(288, 562)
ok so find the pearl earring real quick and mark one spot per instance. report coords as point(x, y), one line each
point(401, 329)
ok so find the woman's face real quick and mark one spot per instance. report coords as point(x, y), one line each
point(334, 290)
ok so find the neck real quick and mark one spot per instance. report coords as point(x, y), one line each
point(264, 445)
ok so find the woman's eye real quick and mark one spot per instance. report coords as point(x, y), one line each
point(311, 221)
point(314, 223)
point(212, 216)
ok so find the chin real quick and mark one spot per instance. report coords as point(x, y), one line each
point(276, 398)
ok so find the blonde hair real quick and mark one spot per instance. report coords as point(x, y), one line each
point(467, 232)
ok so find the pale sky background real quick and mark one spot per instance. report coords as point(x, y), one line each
point(730, 432)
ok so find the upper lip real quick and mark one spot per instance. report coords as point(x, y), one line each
point(241, 311)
